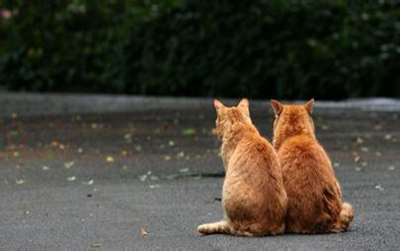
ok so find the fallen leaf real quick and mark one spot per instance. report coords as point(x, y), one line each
point(20, 182)
point(181, 154)
point(144, 177)
point(110, 159)
point(358, 141)
point(364, 149)
point(325, 127)
point(388, 136)
point(189, 132)
point(184, 170)
point(95, 245)
point(379, 187)
point(143, 232)
point(68, 165)
point(128, 136)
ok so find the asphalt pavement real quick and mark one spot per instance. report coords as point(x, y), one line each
point(136, 173)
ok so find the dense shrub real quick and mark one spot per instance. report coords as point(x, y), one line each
point(69, 45)
point(288, 49)
point(282, 48)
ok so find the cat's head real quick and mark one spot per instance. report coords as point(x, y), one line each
point(229, 117)
point(291, 120)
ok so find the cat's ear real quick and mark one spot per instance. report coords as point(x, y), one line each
point(244, 105)
point(278, 107)
point(218, 105)
point(310, 106)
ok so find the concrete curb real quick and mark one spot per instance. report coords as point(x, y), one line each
point(35, 104)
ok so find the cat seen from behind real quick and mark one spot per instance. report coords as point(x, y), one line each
point(314, 195)
point(253, 195)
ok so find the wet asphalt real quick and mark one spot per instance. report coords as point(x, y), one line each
point(145, 178)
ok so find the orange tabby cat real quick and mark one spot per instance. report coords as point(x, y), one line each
point(314, 196)
point(253, 195)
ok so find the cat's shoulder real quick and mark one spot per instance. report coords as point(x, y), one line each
point(300, 143)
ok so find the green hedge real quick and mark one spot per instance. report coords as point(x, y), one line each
point(70, 45)
point(285, 49)
point(264, 48)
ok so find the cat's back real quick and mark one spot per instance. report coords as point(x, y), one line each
point(304, 154)
point(257, 148)
point(302, 147)
point(253, 187)
point(310, 184)
point(255, 163)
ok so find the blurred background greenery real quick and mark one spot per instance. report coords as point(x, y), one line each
point(331, 49)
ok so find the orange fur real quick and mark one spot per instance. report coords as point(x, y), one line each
point(253, 195)
point(314, 196)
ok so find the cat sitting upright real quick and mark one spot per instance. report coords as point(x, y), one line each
point(253, 195)
point(314, 196)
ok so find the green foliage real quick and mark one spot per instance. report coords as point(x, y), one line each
point(73, 45)
point(269, 48)
point(264, 48)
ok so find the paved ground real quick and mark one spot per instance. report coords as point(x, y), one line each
point(144, 177)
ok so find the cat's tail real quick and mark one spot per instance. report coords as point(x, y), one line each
point(344, 219)
point(221, 227)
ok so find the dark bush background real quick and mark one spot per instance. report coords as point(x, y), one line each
point(260, 49)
